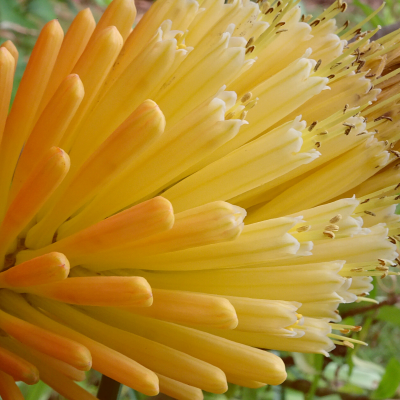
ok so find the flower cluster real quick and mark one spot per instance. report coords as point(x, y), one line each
point(178, 197)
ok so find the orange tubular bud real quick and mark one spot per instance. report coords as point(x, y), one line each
point(49, 268)
point(8, 388)
point(7, 68)
point(49, 129)
point(190, 308)
point(50, 374)
point(33, 194)
point(97, 291)
point(23, 112)
point(73, 45)
point(93, 68)
point(244, 382)
point(119, 150)
point(46, 342)
point(17, 367)
point(10, 46)
point(105, 360)
point(121, 14)
point(66, 369)
point(178, 390)
point(145, 219)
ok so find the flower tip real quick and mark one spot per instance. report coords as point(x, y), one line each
point(153, 114)
point(74, 86)
point(219, 385)
point(111, 35)
point(53, 27)
point(31, 377)
point(165, 208)
point(227, 318)
point(141, 291)
point(150, 384)
point(6, 58)
point(84, 361)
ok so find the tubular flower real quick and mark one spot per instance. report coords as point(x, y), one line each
point(178, 197)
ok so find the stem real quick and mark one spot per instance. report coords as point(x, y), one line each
point(360, 310)
point(319, 362)
point(108, 389)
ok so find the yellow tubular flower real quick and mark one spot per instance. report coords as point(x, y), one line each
point(179, 197)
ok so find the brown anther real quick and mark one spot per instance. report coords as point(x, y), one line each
point(250, 50)
point(357, 328)
point(302, 18)
point(397, 186)
point(312, 126)
point(392, 239)
point(331, 76)
point(329, 234)
point(335, 219)
point(383, 117)
point(315, 23)
point(381, 261)
point(322, 133)
point(365, 201)
point(250, 42)
point(270, 10)
point(303, 228)
point(282, 30)
point(332, 228)
point(318, 144)
point(336, 311)
point(347, 131)
point(370, 75)
point(276, 16)
point(357, 270)
point(385, 275)
point(360, 65)
point(344, 331)
point(346, 24)
point(384, 269)
point(352, 126)
point(398, 260)
point(370, 213)
point(395, 152)
point(280, 24)
point(346, 107)
point(317, 65)
point(344, 7)
point(397, 197)
point(246, 97)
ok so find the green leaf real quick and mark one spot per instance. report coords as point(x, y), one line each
point(12, 12)
point(40, 391)
point(43, 9)
point(389, 314)
point(232, 390)
point(251, 394)
point(390, 381)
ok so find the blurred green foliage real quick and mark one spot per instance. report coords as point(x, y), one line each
point(358, 374)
